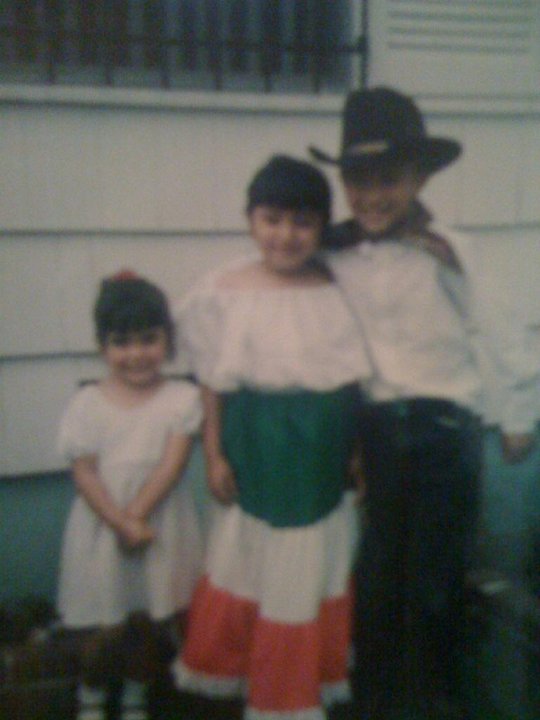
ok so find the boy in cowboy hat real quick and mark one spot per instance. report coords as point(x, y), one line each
point(420, 435)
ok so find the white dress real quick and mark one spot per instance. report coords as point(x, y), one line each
point(100, 582)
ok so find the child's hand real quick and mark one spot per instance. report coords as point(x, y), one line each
point(221, 480)
point(135, 533)
point(358, 478)
point(516, 447)
point(361, 490)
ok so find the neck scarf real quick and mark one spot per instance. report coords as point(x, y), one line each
point(415, 230)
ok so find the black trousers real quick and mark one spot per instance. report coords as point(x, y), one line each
point(422, 462)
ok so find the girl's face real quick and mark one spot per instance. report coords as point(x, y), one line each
point(381, 199)
point(287, 238)
point(135, 358)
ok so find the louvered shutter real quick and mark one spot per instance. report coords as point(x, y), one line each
point(456, 47)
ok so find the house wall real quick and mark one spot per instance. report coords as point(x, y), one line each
point(33, 513)
point(98, 180)
point(93, 180)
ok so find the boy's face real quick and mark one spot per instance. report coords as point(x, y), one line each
point(380, 198)
point(287, 238)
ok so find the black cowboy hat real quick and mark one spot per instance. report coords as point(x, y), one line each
point(381, 124)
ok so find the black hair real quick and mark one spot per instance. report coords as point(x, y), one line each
point(288, 183)
point(132, 304)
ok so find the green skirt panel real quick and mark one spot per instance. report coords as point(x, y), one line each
point(290, 451)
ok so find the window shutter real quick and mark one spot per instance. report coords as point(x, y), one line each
point(456, 47)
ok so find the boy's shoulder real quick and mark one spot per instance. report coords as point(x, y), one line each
point(450, 247)
point(461, 245)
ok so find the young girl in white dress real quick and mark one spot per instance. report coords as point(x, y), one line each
point(132, 540)
point(279, 358)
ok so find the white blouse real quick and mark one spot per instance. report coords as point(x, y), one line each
point(271, 338)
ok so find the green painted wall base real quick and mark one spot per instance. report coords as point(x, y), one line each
point(33, 513)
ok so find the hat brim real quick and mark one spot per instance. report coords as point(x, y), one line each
point(430, 153)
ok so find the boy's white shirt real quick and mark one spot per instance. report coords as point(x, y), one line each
point(414, 312)
point(498, 300)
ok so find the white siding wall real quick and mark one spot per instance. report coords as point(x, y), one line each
point(467, 48)
point(90, 186)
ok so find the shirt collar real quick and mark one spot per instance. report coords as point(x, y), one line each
point(415, 230)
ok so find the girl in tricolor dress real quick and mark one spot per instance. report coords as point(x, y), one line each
point(279, 359)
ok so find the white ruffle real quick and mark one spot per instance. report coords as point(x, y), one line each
point(333, 693)
point(272, 338)
point(235, 687)
point(315, 713)
point(209, 685)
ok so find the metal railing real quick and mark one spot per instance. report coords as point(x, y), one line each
point(265, 45)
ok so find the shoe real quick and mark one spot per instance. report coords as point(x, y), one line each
point(91, 712)
point(133, 705)
point(134, 713)
point(91, 703)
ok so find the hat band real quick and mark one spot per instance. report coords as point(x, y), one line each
point(371, 148)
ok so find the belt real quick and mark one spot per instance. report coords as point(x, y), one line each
point(417, 408)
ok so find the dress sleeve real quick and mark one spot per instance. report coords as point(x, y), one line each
point(200, 331)
point(77, 434)
point(187, 413)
